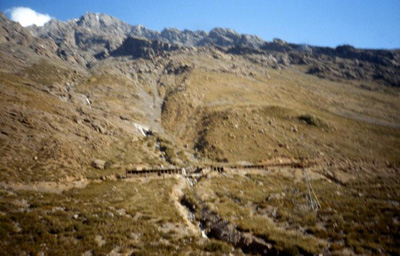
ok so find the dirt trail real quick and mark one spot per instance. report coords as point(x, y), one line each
point(176, 195)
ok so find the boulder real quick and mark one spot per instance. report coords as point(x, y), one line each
point(98, 164)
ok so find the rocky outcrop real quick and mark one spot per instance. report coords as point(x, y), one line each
point(185, 37)
point(223, 230)
point(13, 34)
point(342, 62)
point(95, 37)
point(143, 48)
point(80, 40)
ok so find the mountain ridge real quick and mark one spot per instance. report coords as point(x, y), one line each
point(95, 36)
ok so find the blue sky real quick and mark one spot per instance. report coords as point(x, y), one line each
point(362, 23)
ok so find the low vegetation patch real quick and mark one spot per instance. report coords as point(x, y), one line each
point(360, 216)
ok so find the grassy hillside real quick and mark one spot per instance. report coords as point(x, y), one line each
point(270, 113)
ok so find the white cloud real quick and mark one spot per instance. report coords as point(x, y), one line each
point(26, 16)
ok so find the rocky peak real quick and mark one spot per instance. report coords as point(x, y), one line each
point(224, 32)
point(103, 23)
point(90, 20)
point(224, 36)
point(185, 37)
point(96, 36)
point(228, 37)
point(251, 41)
point(142, 31)
point(279, 41)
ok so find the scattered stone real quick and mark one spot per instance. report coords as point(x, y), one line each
point(135, 236)
point(22, 203)
point(121, 212)
point(17, 228)
point(115, 251)
point(87, 253)
point(98, 127)
point(98, 164)
point(99, 241)
point(57, 209)
point(276, 196)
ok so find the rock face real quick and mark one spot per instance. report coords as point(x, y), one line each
point(143, 48)
point(95, 37)
point(12, 33)
point(81, 40)
point(185, 37)
point(347, 62)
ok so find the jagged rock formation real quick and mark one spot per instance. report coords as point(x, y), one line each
point(97, 36)
point(142, 48)
point(93, 34)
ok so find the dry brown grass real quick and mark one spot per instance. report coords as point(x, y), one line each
point(131, 216)
point(229, 117)
point(360, 216)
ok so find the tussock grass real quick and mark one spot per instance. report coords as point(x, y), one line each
point(130, 215)
point(358, 216)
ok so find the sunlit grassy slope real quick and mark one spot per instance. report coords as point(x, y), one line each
point(359, 215)
point(125, 217)
point(205, 106)
point(228, 116)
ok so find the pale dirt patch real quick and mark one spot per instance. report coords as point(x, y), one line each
point(148, 178)
point(175, 198)
point(46, 186)
point(176, 195)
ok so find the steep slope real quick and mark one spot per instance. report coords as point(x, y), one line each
point(207, 103)
point(95, 36)
point(58, 117)
point(244, 111)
